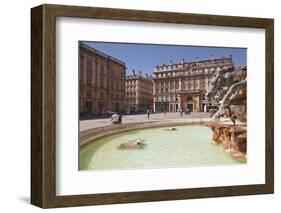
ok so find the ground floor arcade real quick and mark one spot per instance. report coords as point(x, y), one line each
point(188, 101)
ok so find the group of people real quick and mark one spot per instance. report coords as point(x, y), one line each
point(181, 111)
point(116, 118)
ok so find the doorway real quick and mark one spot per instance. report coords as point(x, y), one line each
point(177, 106)
point(117, 108)
point(189, 102)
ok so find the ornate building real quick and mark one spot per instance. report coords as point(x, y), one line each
point(139, 92)
point(102, 82)
point(184, 85)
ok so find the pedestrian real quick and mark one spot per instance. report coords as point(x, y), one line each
point(181, 112)
point(148, 113)
point(120, 118)
point(165, 112)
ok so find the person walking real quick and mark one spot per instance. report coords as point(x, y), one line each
point(120, 118)
point(181, 112)
point(148, 113)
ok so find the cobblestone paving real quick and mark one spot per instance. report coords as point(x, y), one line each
point(156, 117)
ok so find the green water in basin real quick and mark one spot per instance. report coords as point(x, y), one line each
point(189, 145)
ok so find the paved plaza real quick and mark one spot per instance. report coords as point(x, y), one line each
point(140, 118)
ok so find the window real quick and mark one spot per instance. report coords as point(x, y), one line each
point(89, 70)
point(89, 94)
point(102, 82)
point(102, 69)
point(101, 95)
point(89, 77)
point(88, 63)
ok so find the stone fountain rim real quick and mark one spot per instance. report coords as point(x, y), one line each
point(136, 126)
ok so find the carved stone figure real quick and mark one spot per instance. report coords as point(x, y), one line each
point(227, 90)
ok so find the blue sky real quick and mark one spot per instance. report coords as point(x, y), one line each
point(145, 57)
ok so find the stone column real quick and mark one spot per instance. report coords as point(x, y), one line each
point(195, 104)
point(137, 91)
point(98, 74)
point(84, 70)
point(179, 100)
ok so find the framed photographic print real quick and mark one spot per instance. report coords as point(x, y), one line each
point(137, 106)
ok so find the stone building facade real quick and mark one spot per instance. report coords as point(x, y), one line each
point(102, 82)
point(183, 85)
point(139, 92)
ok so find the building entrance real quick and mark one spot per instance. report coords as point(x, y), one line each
point(189, 102)
point(117, 108)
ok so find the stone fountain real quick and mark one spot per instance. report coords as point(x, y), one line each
point(228, 91)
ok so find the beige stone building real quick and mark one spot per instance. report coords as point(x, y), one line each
point(102, 82)
point(139, 92)
point(183, 85)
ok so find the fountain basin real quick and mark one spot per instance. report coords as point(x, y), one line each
point(190, 145)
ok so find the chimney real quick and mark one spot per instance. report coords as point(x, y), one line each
point(197, 59)
point(171, 62)
point(134, 72)
point(140, 72)
point(183, 61)
point(146, 75)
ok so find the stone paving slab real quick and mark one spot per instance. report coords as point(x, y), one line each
point(141, 118)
